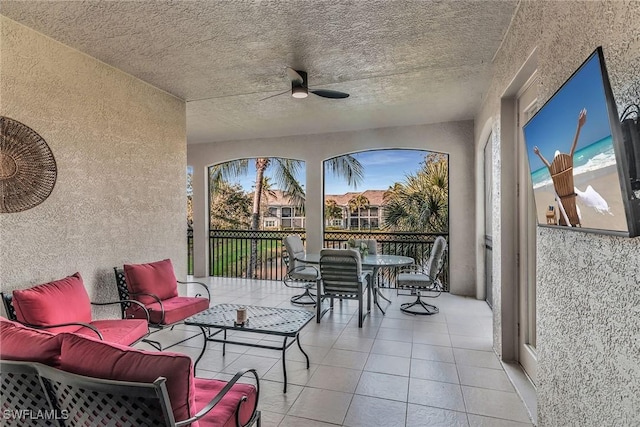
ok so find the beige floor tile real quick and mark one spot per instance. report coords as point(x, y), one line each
point(270, 419)
point(392, 348)
point(435, 371)
point(321, 405)
point(480, 421)
point(274, 400)
point(290, 421)
point(345, 359)
point(481, 359)
point(393, 365)
point(261, 364)
point(431, 338)
point(316, 354)
point(432, 352)
point(394, 334)
point(397, 365)
point(370, 411)
point(472, 343)
point(354, 343)
point(493, 403)
point(384, 386)
point(432, 327)
point(494, 379)
point(421, 416)
point(334, 378)
point(297, 372)
point(435, 393)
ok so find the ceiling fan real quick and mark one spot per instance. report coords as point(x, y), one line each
point(299, 88)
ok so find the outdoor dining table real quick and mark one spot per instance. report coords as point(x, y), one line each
point(374, 262)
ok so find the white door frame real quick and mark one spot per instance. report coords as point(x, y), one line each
point(526, 106)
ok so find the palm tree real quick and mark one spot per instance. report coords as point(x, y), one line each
point(332, 210)
point(421, 203)
point(284, 173)
point(356, 203)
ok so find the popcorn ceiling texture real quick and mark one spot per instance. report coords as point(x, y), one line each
point(120, 148)
point(588, 285)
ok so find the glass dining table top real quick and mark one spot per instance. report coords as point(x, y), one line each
point(367, 260)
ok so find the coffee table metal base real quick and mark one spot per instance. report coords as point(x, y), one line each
point(286, 323)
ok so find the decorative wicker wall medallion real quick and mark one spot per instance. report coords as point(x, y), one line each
point(27, 168)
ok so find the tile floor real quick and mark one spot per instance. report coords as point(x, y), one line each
point(398, 370)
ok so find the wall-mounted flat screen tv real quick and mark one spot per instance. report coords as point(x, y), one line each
point(578, 161)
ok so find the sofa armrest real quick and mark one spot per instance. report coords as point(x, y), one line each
point(57, 325)
point(221, 394)
point(122, 301)
point(158, 300)
point(198, 283)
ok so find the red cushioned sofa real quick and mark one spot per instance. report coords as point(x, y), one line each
point(86, 382)
point(64, 306)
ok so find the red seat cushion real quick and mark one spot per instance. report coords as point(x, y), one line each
point(22, 343)
point(176, 309)
point(223, 414)
point(155, 278)
point(99, 359)
point(119, 331)
point(62, 301)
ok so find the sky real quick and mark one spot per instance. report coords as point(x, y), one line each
point(382, 168)
point(554, 126)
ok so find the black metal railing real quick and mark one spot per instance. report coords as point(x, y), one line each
point(230, 251)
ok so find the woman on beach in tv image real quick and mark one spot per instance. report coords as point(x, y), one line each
point(561, 171)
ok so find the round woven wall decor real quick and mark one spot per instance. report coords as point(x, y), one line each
point(27, 168)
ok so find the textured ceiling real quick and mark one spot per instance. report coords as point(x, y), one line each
point(403, 62)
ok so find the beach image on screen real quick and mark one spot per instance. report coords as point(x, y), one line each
point(572, 159)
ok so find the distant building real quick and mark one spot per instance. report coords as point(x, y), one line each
point(280, 214)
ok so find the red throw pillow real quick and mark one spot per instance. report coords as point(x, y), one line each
point(22, 343)
point(155, 278)
point(62, 301)
point(99, 359)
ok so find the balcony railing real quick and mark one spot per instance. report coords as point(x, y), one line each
point(230, 251)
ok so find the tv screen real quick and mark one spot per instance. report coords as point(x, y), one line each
point(575, 156)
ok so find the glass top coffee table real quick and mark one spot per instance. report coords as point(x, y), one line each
point(284, 322)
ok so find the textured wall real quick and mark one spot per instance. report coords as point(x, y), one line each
point(588, 285)
point(454, 138)
point(120, 148)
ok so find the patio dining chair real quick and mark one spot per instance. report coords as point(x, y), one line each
point(424, 281)
point(342, 277)
point(156, 287)
point(298, 275)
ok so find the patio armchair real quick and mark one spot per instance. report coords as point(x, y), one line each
point(424, 282)
point(64, 306)
point(342, 277)
point(155, 287)
point(298, 275)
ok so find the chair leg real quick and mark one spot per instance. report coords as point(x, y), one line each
point(427, 309)
point(306, 298)
point(360, 310)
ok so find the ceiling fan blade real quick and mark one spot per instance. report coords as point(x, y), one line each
point(277, 94)
point(294, 76)
point(325, 93)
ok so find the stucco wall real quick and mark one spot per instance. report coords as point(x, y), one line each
point(120, 149)
point(588, 288)
point(455, 138)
